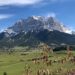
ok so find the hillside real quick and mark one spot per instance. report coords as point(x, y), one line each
point(33, 39)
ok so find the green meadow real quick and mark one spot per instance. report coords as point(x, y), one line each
point(17, 62)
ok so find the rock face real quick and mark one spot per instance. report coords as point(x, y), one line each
point(37, 23)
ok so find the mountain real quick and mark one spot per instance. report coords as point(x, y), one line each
point(33, 39)
point(37, 23)
point(35, 30)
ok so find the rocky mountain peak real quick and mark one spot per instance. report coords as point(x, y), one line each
point(34, 23)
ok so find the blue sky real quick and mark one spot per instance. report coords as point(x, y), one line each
point(13, 10)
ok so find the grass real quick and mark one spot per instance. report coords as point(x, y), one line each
point(17, 62)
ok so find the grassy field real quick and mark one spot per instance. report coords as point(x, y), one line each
point(17, 63)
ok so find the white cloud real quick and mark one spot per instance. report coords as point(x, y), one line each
point(19, 2)
point(51, 14)
point(4, 16)
point(29, 2)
